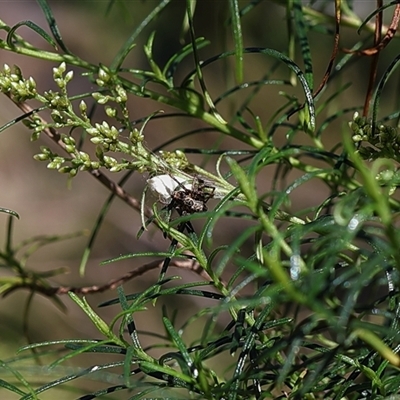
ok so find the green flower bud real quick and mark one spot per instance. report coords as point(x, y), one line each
point(41, 157)
point(59, 71)
point(96, 140)
point(111, 112)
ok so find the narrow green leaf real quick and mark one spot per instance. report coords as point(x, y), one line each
point(375, 342)
point(180, 345)
point(148, 50)
point(376, 12)
point(128, 364)
point(160, 254)
point(290, 64)
point(371, 185)
point(198, 65)
point(10, 212)
point(97, 321)
point(56, 342)
point(178, 57)
point(53, 25)
point(301, 32)
point(291, 46)
point(128, 319)
point(382, 83)
point(68, 378)
point(148, 367)
point(91, 347)
point(246, 183)
point(35, 28)
point(234, 248)
point(96, 228)
point(12, 388)
point(130, 42)
point(20, 379)
point(238, 38)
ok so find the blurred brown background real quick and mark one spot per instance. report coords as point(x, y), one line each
point(42, 198)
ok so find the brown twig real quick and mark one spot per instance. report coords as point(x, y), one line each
point(36, 286)
point(381, 44)
point(191, 265)
point(388, 36)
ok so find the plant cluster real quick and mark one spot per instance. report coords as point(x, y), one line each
point(313, 312)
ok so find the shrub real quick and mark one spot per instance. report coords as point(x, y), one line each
point(287, 213)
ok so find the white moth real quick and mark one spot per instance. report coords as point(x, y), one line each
point(164, 186)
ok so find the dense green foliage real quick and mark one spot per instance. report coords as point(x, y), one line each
point(301, 299)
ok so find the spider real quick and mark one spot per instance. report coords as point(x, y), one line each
point(184, 197)
point(179, 194)
point(189, 200)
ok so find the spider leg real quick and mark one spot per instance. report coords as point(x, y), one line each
point(174, 243)
point(167, 260)
point(171, 250)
